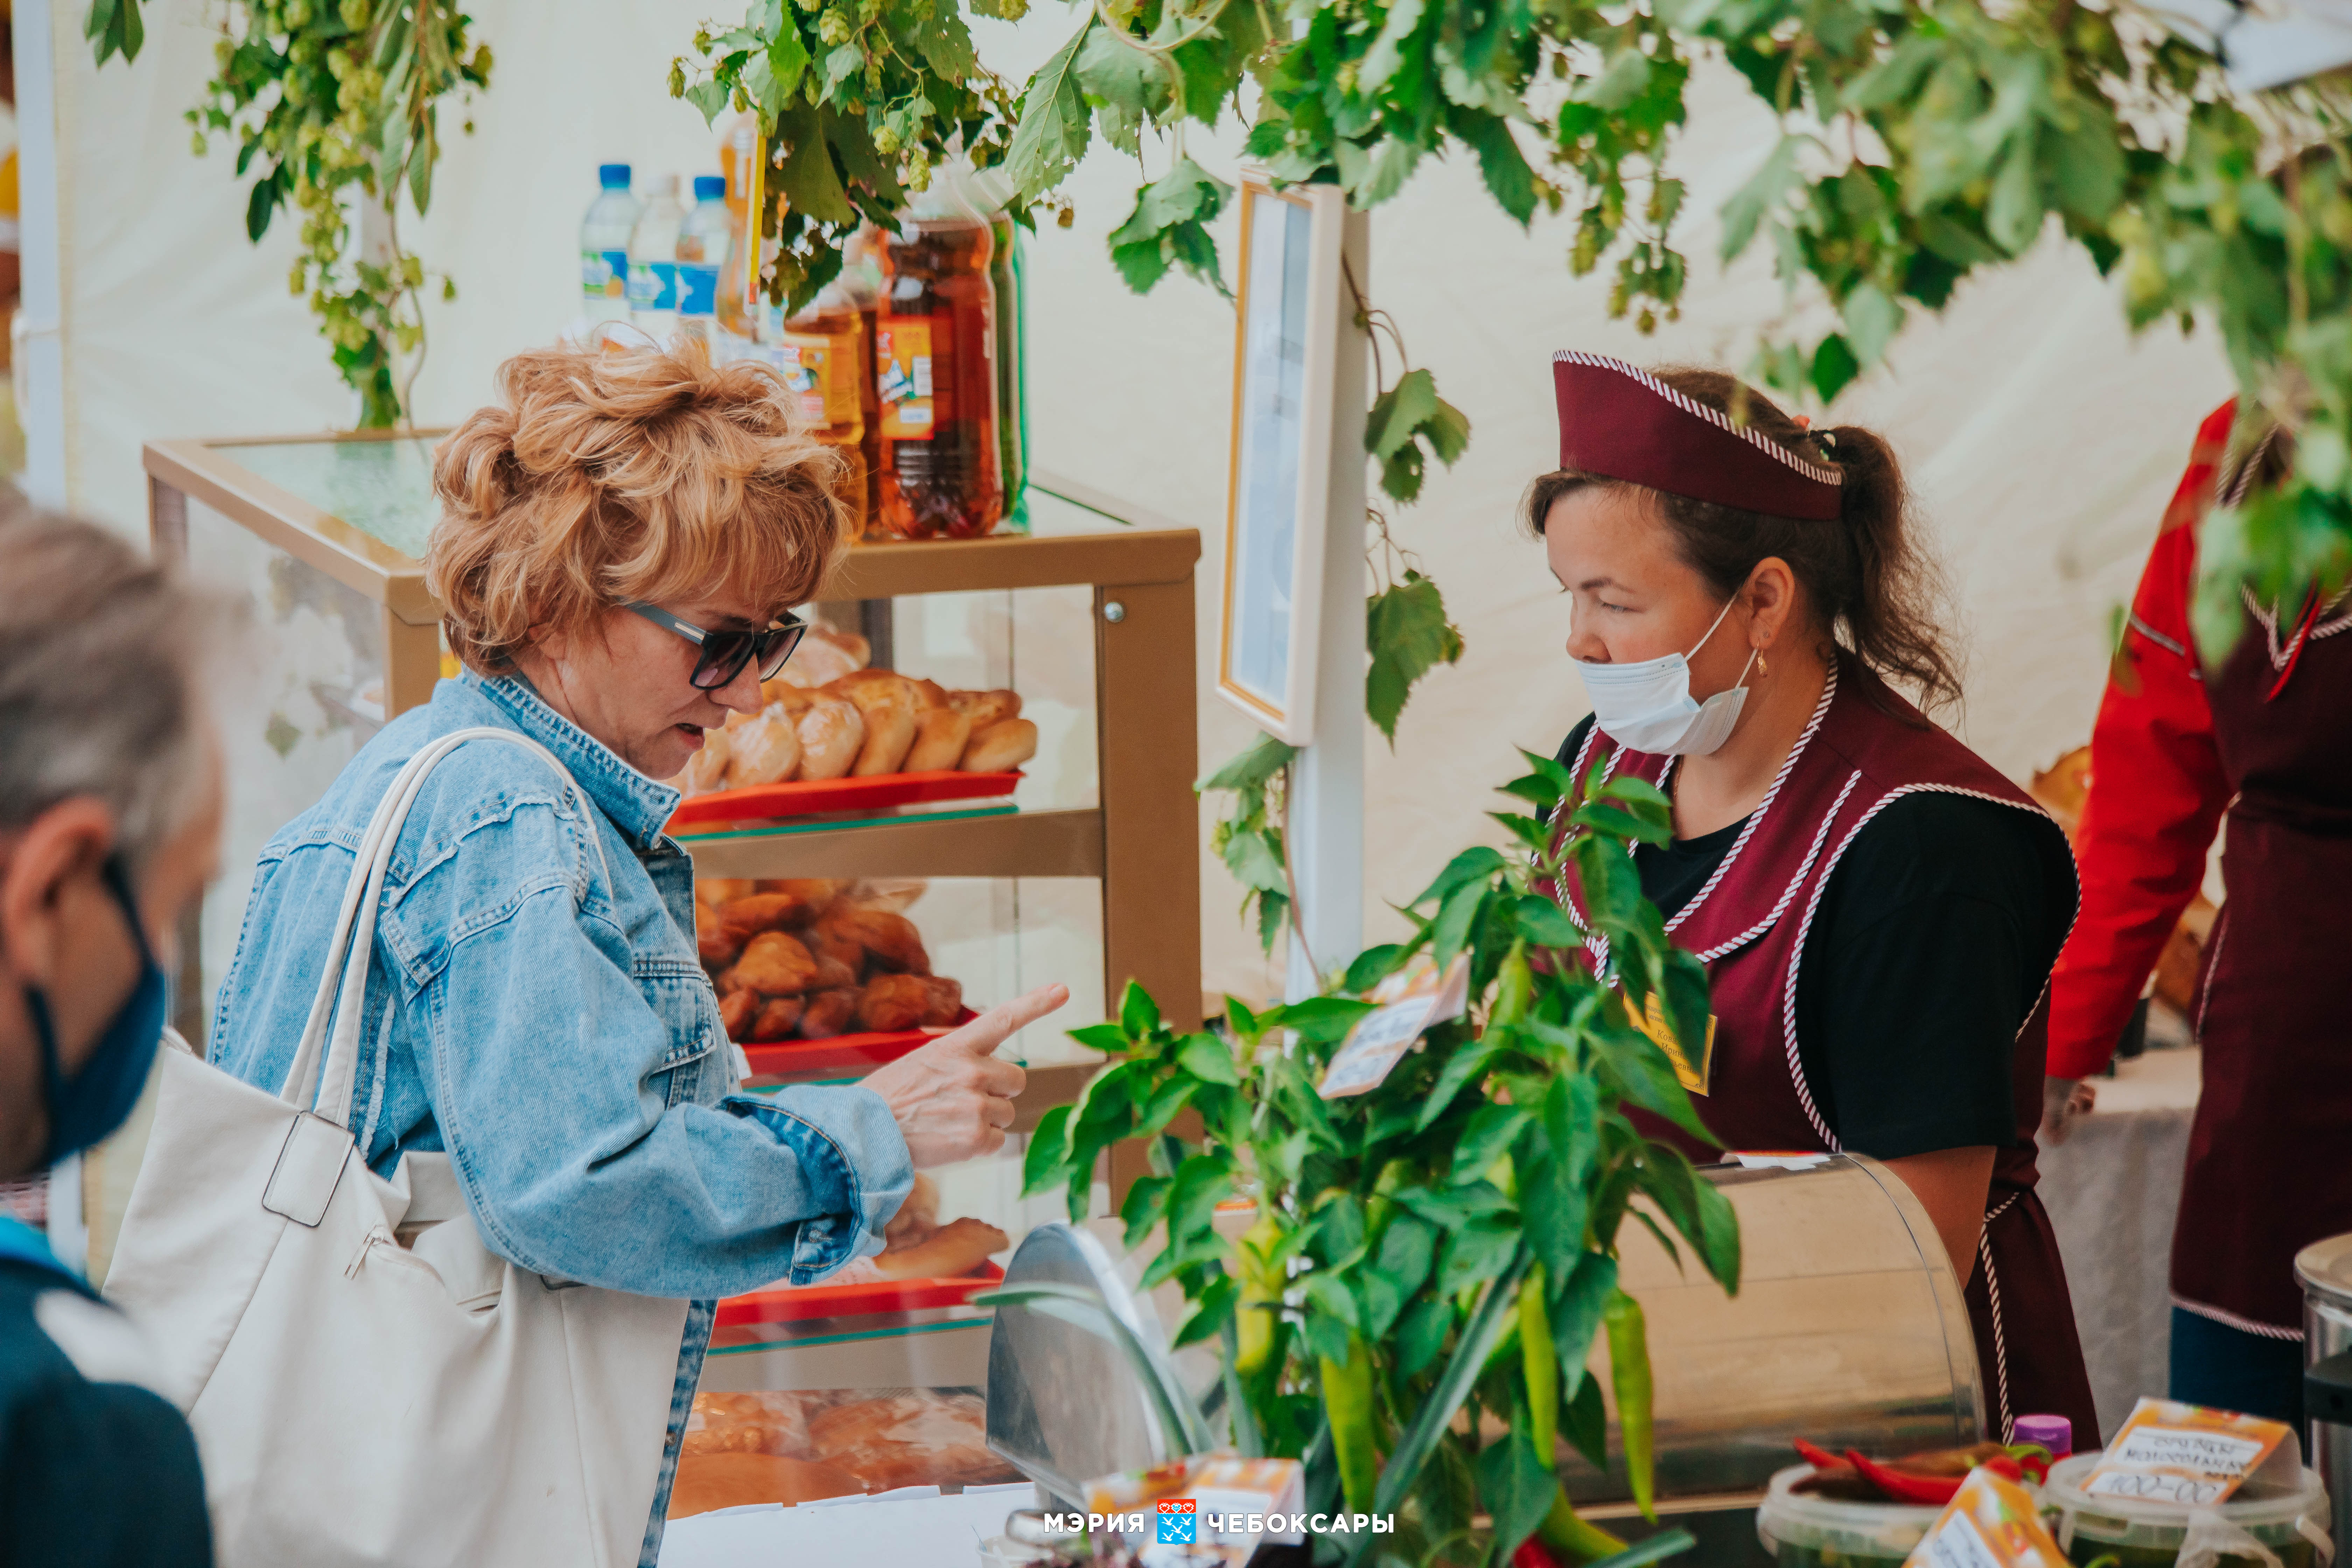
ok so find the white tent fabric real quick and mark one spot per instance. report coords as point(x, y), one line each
point(2041, 439)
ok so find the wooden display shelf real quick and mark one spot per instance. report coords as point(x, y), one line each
point(948, 844)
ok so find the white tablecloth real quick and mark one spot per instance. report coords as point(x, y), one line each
point(2112, 1190)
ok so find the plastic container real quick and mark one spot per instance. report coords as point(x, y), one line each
point(604, 246)
point(935, 369)
point(2054, 1433)
point(738, 149)
point(861, 280)
point(818, 352)
point(702, 247)
point(653, 261)
point(1801, 1531)
point(2290, 1519)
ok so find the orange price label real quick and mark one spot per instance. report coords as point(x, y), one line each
point(2170, 1452)
point(1991, 1523)
point(902, 370)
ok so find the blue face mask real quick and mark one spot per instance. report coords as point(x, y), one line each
point(96, 1101)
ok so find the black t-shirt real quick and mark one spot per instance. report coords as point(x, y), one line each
point(1932, 943)
point(92, 1473)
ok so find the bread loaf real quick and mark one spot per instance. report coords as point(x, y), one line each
point(872, 688)
point(717, 890)
point(707, 769)
point(746, 918)
point(940, 735)
point(769, 1422)
point(1001, 747)
point(889, 940)
point(893, 1002)
point(917, 1217)
point(943, 1001)
point(779, 1018)
point(738, 1012)
point(831, 733)
point(957, 1248)
point(712, 939)
point(823, 656)
point(764, 750)
point(889, 736)
point(828, 1014)
point(986, 708)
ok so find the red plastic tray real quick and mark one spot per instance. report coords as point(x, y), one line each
point(812, 798)
point(792, 1305)
point(795, 1058)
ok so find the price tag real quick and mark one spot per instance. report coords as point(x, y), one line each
point(2186, 1454)
point(1991, 1523)
point(1411, 1005)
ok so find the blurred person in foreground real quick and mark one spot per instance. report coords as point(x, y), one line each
point(110, 819)
point(622, 540)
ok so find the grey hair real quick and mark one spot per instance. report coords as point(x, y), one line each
point(100, 653)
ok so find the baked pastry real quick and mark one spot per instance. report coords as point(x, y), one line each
point(833, 975)
point(723, 889)
point(775, 964)
point(824, 655)
point(712, 939)
point(873, 688)
point(917, 1218)
point(768, 1422)
point(707, 1481)
point(1003, 746)
point(890, 941)
point(893, 1002)
point(707, 769)
point(940, 735)
point(779, 1016)
point(738, 1012)
point(889, 736)
point(819, 892)
point(748, 917)
point(909, 1439)
point(986, 708)
point(943, 1003)
point(828, 1014)
point(764, 750)
point(957, 1248)
point(831, 733)
point(837, 946)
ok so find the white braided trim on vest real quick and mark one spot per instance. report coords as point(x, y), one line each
point(1812, 907)
point(1804, 737)
point(1720, 420)
point(2232, 1321)
point(2000, 1336)
point(1812, 852)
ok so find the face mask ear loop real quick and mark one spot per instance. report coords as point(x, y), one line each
point(1711, 629)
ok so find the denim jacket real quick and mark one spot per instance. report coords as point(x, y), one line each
point(552, 1030)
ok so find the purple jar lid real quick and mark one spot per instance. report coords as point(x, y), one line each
point(2054, 1433)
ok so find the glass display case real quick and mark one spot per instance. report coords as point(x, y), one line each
point(1083, 868)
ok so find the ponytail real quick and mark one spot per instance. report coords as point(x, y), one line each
point(1873, 590)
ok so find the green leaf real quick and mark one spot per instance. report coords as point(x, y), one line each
point(1584, 1421)
point(1407, 632)
point(1491, 1130)
point(2013, 213)
point(1456, 919)
point(1473, 864)
point(1101, 1038)
point(263, 201)
point(1556, 1177)
point(1372, 965)
point(1256, 861)
point(710, 97)
point(1509, 178)
point(1207, 1056)
point(1399, 410)
point(1048, 1152)
point(1319, 1020)
point(1202, 1182)
point(1212, 1308)
point(1408, 1248)
point(1146, 1205)
point(1421, 1334)
point(1872, 320)
point(1544, 923)
point(1834, 367)
point(1475, 1253)
point(807, 178)
point(1516, 1484)
point(1255, 766)
point(1763, 191)
point(1138, 1014)
point(1168, 226)
point(1466, 1063)
point(1241, 1020)
point(1053, 134)
point(1576, 1314)
point(1497, 1309)
point(1392, 163)
point(1381, 61)
point(1166, 1101)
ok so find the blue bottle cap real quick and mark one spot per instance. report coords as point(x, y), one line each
point(709, 187)
point(612, 176)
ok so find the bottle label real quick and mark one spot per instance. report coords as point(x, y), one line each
point(653, 286)
point(698, 288)
point(902, 362)
point(824, 371)
point(604, 274)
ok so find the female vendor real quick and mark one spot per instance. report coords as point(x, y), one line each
point(2264, 737)
point(1878, 908)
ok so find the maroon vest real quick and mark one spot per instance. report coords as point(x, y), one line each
point(1864, 749)
point(2265, 1174)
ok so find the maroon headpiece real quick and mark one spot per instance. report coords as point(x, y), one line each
point(1627, 423)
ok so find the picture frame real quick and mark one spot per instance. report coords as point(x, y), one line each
point(1287, 334)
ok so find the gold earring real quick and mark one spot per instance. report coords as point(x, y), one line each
point(1763, 667)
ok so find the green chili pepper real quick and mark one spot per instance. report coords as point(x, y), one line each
point(1262, 1282)
point(1629, 1373)
point(1514, 983)
point(1573, 1537)
point(1539, 1358)
point(1348, 1405)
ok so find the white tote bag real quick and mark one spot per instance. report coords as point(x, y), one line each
point(369, 1385)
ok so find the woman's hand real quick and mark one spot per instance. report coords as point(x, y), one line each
point(953, 1098)
point(2066, 1101)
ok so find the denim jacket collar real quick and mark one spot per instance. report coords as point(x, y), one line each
point(637, 804)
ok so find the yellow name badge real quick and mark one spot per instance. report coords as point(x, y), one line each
point(1652, 1022)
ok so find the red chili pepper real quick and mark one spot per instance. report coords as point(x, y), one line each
point(1934, 1489)
point(1533, 1553)
point(2033, 1459)
point(1819, 1458)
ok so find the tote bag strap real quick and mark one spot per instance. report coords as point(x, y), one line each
point(332, 1030)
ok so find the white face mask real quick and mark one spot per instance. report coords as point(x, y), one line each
point(1648, 706)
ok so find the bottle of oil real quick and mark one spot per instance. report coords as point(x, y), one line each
point(737, 279)
point(936, 374)
point(861, 280)
point(818, 352)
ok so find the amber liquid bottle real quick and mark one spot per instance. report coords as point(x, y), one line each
point(819, 352)
point(936, 375)
point(861, 280)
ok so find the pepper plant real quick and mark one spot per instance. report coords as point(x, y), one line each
point(1447, 1242)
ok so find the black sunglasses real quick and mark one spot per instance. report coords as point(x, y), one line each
point(725, 653)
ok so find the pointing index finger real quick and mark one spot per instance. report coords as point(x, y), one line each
point(987, 1032)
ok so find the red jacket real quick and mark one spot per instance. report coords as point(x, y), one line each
point(2157, 789)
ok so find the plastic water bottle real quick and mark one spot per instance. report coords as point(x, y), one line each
point(653, 262)
point(604, 246)
point(701, 251)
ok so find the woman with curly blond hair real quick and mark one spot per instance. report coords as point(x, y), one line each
point(622, 537)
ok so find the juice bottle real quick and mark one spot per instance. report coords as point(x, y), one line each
point(737, 283)
point(818, 352)
point(936, 377)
